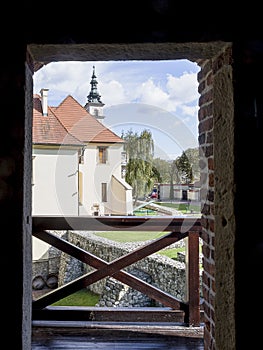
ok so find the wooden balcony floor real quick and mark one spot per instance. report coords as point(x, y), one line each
point(110, 336)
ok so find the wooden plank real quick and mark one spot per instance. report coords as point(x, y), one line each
point(133, 335)
point(142, 314)
point(108, 341)
point(116, 223)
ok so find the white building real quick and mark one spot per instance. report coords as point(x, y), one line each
point(181, 192)
point(77, 161)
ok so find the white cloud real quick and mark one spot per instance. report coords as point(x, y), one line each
point(165, 91)
point(183, 88)
point(112, 93)
point(151, 94)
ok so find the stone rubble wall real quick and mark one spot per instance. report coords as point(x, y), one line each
point(158, 270)
point(48, 266)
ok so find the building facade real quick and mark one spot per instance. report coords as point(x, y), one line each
point(77, 161)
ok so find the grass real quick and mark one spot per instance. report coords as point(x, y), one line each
point(130, 236)
point(140, 236)
point(143, 212)
point(182, 207)
point(171, 252)
point(83, 297)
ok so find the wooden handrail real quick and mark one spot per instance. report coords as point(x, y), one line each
point(116, 223)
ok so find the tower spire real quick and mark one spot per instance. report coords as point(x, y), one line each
point(94, 95)
point(94, 105)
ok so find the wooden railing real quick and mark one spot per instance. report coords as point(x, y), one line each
point(174, 309)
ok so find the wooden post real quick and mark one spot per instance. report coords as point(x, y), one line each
point(193, 280)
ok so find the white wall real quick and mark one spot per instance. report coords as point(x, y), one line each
point(54, 188)
point(55, 170)
point(120, 197)
point(178, 190)
point(94, 174)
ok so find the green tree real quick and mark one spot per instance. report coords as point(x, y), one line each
point(193, 158)
point(170, 172)
point(140, 170)
point(174, 176)
point(162, 167)
point(185, 168)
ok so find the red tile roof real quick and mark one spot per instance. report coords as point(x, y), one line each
point(48, 129)
point(69, 123)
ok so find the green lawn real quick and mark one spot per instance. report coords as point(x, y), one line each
point(140, 236)
point(185, 208)
point(171, 252)
point(83, 297)
point(130, 236)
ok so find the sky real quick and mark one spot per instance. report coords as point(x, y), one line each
point(158, 96)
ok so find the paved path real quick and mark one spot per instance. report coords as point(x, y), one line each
point(163, 210)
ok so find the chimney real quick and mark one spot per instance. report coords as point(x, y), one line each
point(44, 93)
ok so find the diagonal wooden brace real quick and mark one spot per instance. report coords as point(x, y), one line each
point(105, 269)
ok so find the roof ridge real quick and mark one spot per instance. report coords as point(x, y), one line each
point(99, 127)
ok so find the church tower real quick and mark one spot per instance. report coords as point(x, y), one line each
point(94, 105)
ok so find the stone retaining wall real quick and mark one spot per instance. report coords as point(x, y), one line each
point(160, 271)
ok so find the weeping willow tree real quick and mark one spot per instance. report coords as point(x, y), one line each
point(140, 171)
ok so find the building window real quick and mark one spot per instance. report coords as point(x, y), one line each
point(103, 152)
point(104, 192)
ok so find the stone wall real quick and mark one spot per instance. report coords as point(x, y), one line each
point(160, 271)
point(216, 116)
point(44, 268)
